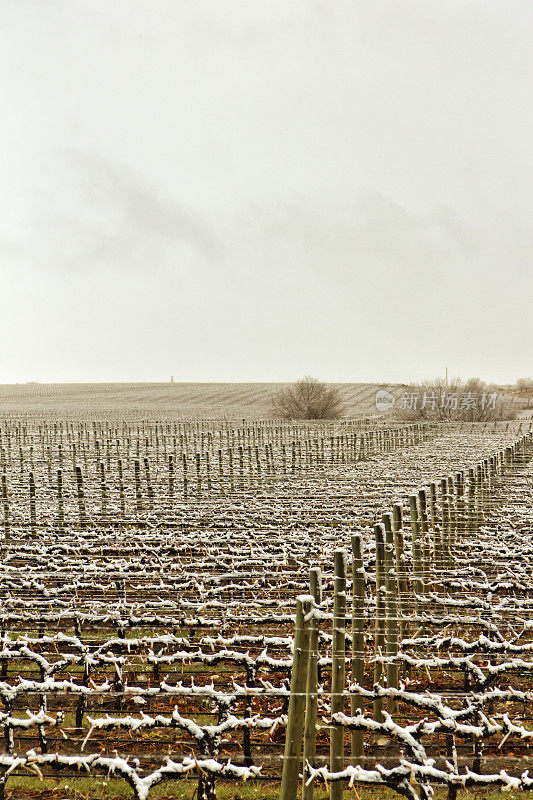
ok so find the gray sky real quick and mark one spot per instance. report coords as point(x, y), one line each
point(261, 189)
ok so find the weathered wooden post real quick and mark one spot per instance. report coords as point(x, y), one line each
point(220, 472)
point(198, 474)
point(60, 511)
point(121, 496)
point(424, 533)
point(230, 467)
point(432, 501)
point(452, 514)
point(379, 635)
point(401, 567)
point(295, 724)
point(81, 498)
point(5, 505)
point(338, 669)
point(418, 585)
point(137, 474)
point(445, 513)
point(171, 476)
point(315, 590)
point(391, 611)
point(471, 525)
point(33, 515)
point(103, 490)
point(358, 641)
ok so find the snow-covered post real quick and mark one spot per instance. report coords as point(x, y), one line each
point(295, 724)
point(338, 668)
point(358, 640)
point(315, 590)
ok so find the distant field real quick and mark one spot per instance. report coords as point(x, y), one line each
point(154, 400)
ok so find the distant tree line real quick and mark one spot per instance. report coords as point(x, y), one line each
point(470, 400)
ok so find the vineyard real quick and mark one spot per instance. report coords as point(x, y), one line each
point(199, 602)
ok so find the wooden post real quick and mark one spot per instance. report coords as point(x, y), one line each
point(295, 725)
point(358, 641)
point(424, 530)
point(401, 569)
point(418, 585)
point(198, 475)
point(338, 668)
point(33, 515)
point(103, 489)
point(315, 590)
point(60, 512)
point(185, 480)
point(5, 504)
point(445, 531)
point(170, 476)
point(379, 636)
point(433, 516)
point(452, 514)
point(391, 610)
point(137, 473)
point(230, 462)
point(81, 498)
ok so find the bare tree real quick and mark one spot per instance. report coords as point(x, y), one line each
point(525, 385)
point(308, 398)
point(471, 400)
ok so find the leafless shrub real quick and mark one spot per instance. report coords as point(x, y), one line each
point(525, 385)
point(308, 398)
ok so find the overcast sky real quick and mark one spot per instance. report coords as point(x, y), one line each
point(261, 189)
